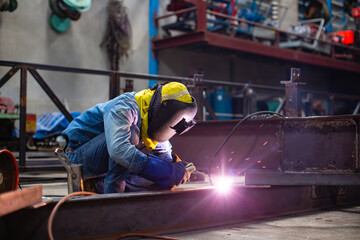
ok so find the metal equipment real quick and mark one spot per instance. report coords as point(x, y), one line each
point(74, 172)
point(310, 28)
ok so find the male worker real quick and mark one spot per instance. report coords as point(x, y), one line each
point(106, 139)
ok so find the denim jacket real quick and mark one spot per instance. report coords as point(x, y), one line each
point(120, 119)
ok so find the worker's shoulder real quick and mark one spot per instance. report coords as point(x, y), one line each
point(125, 99)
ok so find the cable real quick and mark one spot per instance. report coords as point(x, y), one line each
point(232, 131)
point(144, 235)
point(53, 212)
point(57, 206)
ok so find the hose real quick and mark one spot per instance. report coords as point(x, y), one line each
point(53, 212)
point(232, 131)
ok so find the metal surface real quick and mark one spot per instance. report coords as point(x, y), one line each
point(74, 172)
point(114, 88)
point(23, 102)
point(292, 94)
point(296, 179)
point(316, 144)
point(165, 211)
point(197, 91)
point(15, 200)
point(228, 42)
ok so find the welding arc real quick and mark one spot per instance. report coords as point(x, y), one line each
point(53, 212)
point(232, 131)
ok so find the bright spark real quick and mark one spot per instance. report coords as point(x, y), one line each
point(223, 185)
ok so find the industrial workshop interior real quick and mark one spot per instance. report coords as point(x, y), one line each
point(180, 119)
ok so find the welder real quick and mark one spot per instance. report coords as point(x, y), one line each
point(107, 139)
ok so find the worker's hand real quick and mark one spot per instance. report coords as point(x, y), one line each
point(190, 167)
point(166, 174)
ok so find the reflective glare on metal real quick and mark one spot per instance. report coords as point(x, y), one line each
point(223, 184)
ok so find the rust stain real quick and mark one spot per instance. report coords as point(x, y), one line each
point(321, 123)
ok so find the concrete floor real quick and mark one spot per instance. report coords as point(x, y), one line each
point(331, 224)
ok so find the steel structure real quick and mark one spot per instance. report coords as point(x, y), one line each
point(302, 152)
point(201, 36)
point(323, 145)
point(279, 166)
point(196, 84)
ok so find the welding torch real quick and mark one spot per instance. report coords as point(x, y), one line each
point(190, 167)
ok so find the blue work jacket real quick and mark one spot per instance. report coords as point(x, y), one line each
point(120, 119)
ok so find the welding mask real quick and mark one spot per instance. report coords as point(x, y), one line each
point(171, 110)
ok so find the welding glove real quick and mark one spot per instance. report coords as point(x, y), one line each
point(163, 173)
point(190, 167)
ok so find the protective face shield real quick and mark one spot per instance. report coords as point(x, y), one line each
point(168, 116)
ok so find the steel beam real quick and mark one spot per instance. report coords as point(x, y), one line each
point(297, 179)
point(23, 103)
point(227, 42)
point(114, 87)
point(165, 211)
point(278, 144)
point(8, 75)
point(51, 94)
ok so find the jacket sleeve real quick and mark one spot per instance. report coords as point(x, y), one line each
point(163, 150)
point(118, 122)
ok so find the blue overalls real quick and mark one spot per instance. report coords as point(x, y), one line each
point(105, 139)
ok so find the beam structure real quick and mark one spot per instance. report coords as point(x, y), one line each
point(165, 212)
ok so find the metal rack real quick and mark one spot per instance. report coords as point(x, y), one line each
point(200, 35)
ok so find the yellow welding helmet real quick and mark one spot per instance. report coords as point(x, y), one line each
point(165, 110)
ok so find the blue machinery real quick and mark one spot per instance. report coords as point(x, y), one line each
point(216, 23)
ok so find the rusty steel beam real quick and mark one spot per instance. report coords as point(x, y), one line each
point(8, 75)
point(168, 211)
point(278, 144)
point(299, 179)
point(51, 94)
point(14, 200)
point(23, 103)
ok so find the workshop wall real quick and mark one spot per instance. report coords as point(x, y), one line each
point(25, 35)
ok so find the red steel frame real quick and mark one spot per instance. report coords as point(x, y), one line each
point(202, 35)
